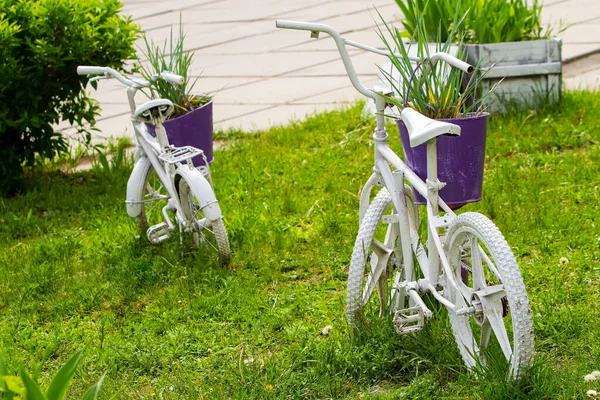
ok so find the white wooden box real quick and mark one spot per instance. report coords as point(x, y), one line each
point(530, 72)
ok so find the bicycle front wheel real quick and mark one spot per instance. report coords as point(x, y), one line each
point(211, 234)
point(376, 263)
point(500, 328)
point(154, 198)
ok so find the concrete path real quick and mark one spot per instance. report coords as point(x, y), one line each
point(261, 76)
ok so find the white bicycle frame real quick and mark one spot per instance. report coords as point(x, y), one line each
point(151, 149)
point(394, 181)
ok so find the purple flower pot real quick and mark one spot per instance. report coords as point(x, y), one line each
point(192, 129)
point(460, 160)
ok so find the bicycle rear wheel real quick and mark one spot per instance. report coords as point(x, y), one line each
point(379, 247)
point(211, 234)
point(489, 280)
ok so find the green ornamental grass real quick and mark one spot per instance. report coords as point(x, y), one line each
point(435, 90)
point(172, 57)
point(487, 21)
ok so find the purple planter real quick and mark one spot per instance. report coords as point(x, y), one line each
point(192, 129)
point(460, 160)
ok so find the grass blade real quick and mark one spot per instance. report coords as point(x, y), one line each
point(34, 392)
point(92, 392)
point(60, 383)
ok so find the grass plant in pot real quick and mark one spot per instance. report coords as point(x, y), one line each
point(191, 124)
point(440, 92)
point(505, 36)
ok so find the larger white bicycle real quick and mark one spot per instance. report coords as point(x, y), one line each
point(165, 190)
point(465, 264)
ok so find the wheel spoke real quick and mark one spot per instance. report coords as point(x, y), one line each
point(497, 324)
point(476, 264)
point(368, 290)
point(486, 334)
point(382, 295)
point(490, 264)
point(379, 248)
point(396, 296)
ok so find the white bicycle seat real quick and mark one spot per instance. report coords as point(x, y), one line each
point(422, 129)
point(154, 111)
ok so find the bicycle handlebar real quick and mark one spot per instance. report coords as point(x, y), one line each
point(86, 70)
point(341, 45)
point(171, 77)
point(107, 71)
point(455, 62)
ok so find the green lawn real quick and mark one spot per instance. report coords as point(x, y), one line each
point(166, 322)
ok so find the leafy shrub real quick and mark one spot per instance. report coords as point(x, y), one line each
point(26, 387)
point(41, 44)
point(487, 21)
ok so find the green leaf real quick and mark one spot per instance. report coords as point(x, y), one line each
point(92, 392)
point(14, 384)
point(34, 392)
point(60, 383)
point(3, 370)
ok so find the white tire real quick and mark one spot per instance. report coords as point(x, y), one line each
point(211, 233)
point(503, 313)
point(154, 198)
point(372, 243)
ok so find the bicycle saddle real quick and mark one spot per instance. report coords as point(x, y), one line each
point(422, 129)
point(154, 111)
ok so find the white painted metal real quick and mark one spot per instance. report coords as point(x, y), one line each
point(395, 254)
point(468, 238)
point(185, 190)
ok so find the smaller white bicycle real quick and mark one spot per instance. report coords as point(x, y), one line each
point(165, 190)
point(464, 263)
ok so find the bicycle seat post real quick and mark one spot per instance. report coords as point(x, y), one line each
point(433, 187)
point(161, 135)
point(433, 183)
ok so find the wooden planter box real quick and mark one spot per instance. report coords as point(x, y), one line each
point(530, 72)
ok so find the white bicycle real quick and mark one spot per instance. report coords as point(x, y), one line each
point(466, 264)
point(165, 190)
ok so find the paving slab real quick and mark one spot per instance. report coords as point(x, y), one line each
point(276, 115)
point(345, 95)
point(266, 65)
point(262, 75)
point(365, 64)
point(583, 73)
point(280, 90)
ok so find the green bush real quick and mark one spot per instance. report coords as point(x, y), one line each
point(41, 44)
point(486, 21)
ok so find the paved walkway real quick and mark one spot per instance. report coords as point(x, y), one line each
point(262, 76)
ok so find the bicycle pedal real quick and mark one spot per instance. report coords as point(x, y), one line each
point(408, 320)
point(158, 233)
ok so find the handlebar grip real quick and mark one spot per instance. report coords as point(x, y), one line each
point(303, 26)
point(171, 77)
point(455, 62)
point(281, 23)
point(86, 70)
